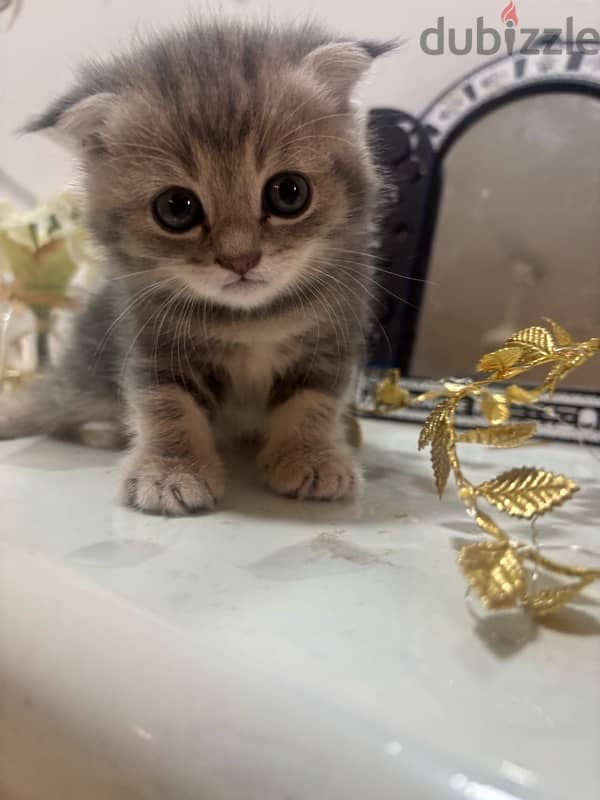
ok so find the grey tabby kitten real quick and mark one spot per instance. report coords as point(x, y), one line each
point(230, 187)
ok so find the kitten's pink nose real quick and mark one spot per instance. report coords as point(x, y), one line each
point(240, 264)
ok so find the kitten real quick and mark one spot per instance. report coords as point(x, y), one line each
point(229, 186)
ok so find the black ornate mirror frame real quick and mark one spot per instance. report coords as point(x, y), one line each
point(412, 152)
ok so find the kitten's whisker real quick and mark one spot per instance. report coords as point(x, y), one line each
point(187, 334)
point(350, 273)
point(327, 310)
point(318, 325)
point(384, 289)
point(295, 296)
point(177, 337)
point(324, 281)
point(320, 299)
point(179, 329)
point(360, 324)
point(375, 268)
point(357, 253)
point(162, 315)
point(355, 294)
point(326, 303)
point(140, 296)
point(347, 335)
point(130, 349)
point(405, 277)
point(134, 274)
point(204, 322)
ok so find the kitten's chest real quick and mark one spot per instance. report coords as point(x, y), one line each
point(253, 355)
point(251, 371)
point(251, 368)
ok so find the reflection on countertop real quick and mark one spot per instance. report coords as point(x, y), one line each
point(275, 649)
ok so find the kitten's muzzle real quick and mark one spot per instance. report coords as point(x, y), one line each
point(239, 264)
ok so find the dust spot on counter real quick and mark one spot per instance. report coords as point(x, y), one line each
point(328, 553)
point(117, 553)
point(337, 547)
point(184, 575)
point(180, 600)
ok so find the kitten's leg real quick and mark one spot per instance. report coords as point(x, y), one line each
point(306, 454)
point(174, 468)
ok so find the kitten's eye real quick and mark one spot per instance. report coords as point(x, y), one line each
point(177, 210)
point(287, 194)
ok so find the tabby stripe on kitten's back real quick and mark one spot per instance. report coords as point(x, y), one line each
point(230, 188)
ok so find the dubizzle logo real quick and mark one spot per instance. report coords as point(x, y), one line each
point(509, 15)
point(510, 18)
point(488, 41)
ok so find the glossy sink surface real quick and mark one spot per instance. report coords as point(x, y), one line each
point(275, 650)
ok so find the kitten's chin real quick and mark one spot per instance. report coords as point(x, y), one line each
point(260, 287)
point(239, 294)
point(246, 293)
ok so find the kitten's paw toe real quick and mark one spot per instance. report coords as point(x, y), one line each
point(172, 487)
point(313, 475)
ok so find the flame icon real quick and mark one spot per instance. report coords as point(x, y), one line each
point(509, 14)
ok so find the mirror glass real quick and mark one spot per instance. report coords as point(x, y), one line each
point(518, 234)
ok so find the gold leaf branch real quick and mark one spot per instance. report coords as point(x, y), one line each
point(527, 492)
point(501, 570)
point(503, 436)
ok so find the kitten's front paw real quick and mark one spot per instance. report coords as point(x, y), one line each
point(311, 474)
point(174, 487)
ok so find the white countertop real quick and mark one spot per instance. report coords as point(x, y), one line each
point(275, 650)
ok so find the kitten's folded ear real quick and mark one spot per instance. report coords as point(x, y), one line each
point(75, 118)
point(340, 65)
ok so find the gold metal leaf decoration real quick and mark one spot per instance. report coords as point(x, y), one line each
point(498, 569)
point(535, 338)
point(427, 396)
point(527, 492)
point(554, 377)
point(500, 361)
point(453, 388)
point(488, 525)
point(440, 459)
point(432, 425)
point(562, 337)
point(501, 436)
point(389, 395)
point(495, 573)
point(519, 396)
point(495, 408)
point(550, 599)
